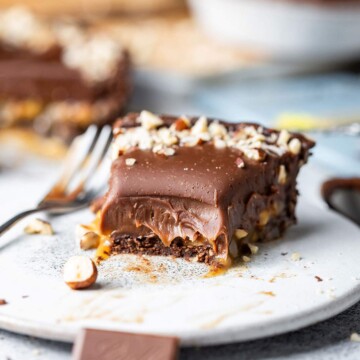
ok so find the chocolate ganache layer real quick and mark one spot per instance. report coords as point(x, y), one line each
point(199, 188)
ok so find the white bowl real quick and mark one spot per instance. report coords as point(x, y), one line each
point(285, 30)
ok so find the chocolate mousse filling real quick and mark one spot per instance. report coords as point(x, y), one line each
point(199, 189)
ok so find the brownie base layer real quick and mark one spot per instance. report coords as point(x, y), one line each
point(152, 245)
point(180, 248)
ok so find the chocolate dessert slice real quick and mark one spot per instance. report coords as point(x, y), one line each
point(200, 189)
point(58, 78)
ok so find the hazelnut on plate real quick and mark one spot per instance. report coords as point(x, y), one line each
point(80, 272)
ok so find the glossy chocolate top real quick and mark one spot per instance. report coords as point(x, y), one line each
point(201, 173)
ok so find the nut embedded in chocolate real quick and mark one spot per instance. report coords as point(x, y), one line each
point(38, 226)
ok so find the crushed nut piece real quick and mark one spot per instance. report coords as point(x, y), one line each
point(166, 137)
point(282, 177)
point(155, 135)
point(130, 161)
point(246, 258)
point(80, 272)
point(240, 233)
point(295, 256)
point(264, 217)
point(254, 154)
point(253, 248)
point(355, 337)
point(3, 302)
point(240, 163)
point(283, 138)
point(191, 141)
point(38, 226)
point(169, 151)
point(295, 146)
point(217, 129)
point(89, 240)
point(200, 126)
point(180, 124)
point(149, 120)
point(219, 144)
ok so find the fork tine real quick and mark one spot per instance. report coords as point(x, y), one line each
point(71, 168)
point(102, 147)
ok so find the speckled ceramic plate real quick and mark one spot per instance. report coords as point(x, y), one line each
point(270, 295)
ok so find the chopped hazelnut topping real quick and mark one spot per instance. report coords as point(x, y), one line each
point(155, 135)
point(201, 126)
point(217, 129)
point(295, 146)
point(283, 138)
point(191, 141)
point(159, 149)
point(38, 226)
point(130, 161)
point(149, 120)
point(169, 151)
point(295, 256)
point(252, 154)
point(166, 137)
point(240, 163)
point(219, 144)
point(95, 57)
point(181, 124)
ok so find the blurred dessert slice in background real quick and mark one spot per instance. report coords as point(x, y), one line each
point(58, 78)
point(175, 44)
point(95, 8)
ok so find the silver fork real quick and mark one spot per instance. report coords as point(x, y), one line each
point(72, 191)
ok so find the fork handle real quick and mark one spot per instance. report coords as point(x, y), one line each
point(11, 222)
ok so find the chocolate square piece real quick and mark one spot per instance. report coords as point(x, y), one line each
point(94, 344)
point(199, 189)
